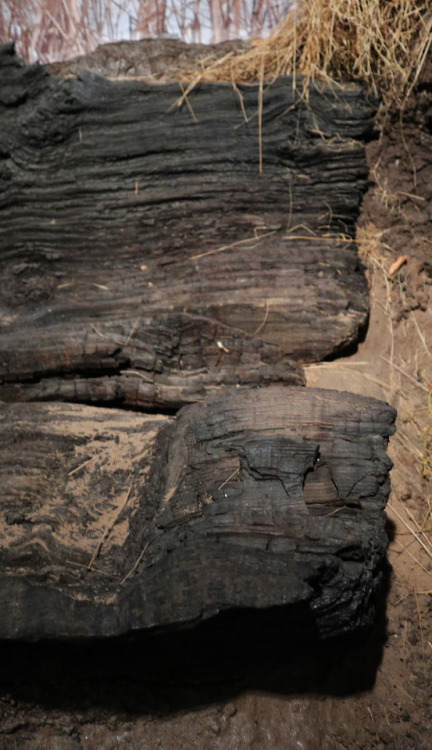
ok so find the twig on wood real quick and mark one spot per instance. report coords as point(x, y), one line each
point(118, 342)
point(290, 206)
point(199, 76)
point(231, 476)
point(99, 333)
point(233, 244)
point(189, 105)
point(136, 372)
point(132, 330)
point(240, 96)
point(336, 510)
point(302, 226)
point(94, 570)
point(109, 528)
point(81, 466)
point(261, 326)
point(134, 567)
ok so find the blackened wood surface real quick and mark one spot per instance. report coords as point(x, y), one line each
point(114, 204)
point(265, 498)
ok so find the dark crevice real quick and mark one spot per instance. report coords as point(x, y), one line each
point(349, 349)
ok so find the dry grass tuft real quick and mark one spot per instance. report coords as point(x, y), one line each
point(54, 30)
point(381, 42)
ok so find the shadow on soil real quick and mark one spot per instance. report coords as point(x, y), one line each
point(213, 662)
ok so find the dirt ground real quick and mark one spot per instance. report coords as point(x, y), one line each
point(370, 694)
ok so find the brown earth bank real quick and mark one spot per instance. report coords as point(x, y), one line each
point(240, 682)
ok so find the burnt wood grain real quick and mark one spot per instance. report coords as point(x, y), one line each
point(145, 259)
point(113, 522)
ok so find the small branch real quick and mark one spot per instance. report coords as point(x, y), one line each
point(138, 374)
point(231, 476)
point(81, 466)
point(187, 102)
point(109, 528)
point(233, 244)
point(134, 567)
point(262, 325)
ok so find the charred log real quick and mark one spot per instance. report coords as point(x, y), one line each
point(139, 235)
point(113, 522)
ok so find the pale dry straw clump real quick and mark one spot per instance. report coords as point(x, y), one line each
point(381, 42)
